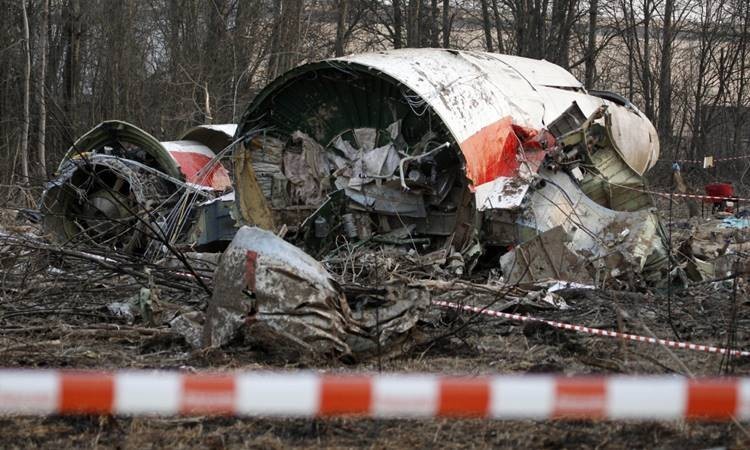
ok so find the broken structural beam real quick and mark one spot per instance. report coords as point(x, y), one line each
point(309, 394)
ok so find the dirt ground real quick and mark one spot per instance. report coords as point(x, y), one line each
point(487, 346)
point(50, 320)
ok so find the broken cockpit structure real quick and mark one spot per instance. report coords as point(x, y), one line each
point(481, 155)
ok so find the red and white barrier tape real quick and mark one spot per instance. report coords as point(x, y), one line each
point(701, 161)
point(305, 394)
point(698, 196)
point(682, 161)
point(675, 194)
point(594, 331)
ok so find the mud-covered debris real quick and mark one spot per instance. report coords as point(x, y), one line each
point(265, 281)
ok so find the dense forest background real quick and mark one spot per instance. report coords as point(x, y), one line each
point(167, 65)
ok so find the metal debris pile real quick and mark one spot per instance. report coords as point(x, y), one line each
point(365, 188)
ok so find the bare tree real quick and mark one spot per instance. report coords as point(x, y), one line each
point(498, 27)
point(665, 75)
point(434, 25)
point(487, 26)
point(71, 66)
point(40, 91)
point(398, 25)
point(447, 22)
point(285, 48)
point(591, 51)
point(414, 24)
point(343, 11)
point(26, 96)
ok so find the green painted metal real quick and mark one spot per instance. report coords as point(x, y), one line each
point(325, 99)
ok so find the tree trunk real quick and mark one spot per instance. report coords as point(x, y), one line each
point(286, 36)
point(413, 32)
point(71, 65)
point(341, 27)
point(40, 91)
point(273, 58)
point(446, 24)
point(487, 26)
point(591, 45)
point(648, 99)
point(434, 27)
point(398, 25)
point(26, 97)
point(665, 78)
point(498, 27)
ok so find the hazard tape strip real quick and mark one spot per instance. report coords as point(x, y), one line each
point(675, 194)
point(307, 394)
point(682, 161)
point(594, 331)
point(700, 161)
point(703, 197)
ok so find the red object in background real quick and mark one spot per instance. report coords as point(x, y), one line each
point(725, 190)
point(719, 190)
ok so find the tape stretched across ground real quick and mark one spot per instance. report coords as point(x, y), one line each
point(594, 331)
point(308, 394)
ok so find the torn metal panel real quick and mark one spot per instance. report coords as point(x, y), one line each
point(611, 183)
point(632, 241)
point(307, 169)
point(216, 137)
point(388, 198)
point(634, 139)
point(215, 224)
point(251, 202)
point(546, 257)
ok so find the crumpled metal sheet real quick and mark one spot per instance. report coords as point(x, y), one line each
point(263, 279)
point(635, 139)
point(545, 257)
point(388, 325)
point(214, 136)
point(618, 241)
point(388, 198)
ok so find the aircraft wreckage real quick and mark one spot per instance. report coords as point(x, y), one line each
point(482, 158)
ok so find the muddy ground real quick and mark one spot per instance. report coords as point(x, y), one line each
point(50, 320)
